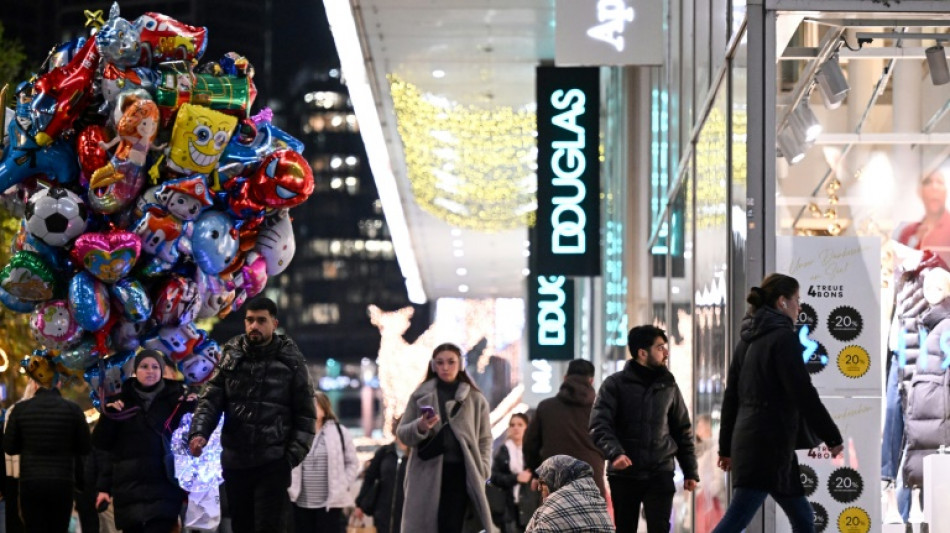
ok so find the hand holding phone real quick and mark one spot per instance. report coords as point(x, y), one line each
point(427, 411)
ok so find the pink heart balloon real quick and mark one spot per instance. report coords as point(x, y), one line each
point(108, 256)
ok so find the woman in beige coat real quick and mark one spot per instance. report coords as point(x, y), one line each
point(447, 429)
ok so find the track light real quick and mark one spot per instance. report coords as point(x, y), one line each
point(807, 121)
point(791, 143)
point(834, 86)
point(937, 61)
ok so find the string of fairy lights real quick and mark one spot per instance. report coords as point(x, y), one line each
point(473, 168)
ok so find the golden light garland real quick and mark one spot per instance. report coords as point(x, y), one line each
point(471, 167)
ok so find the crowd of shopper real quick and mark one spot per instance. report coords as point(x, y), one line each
point(289, 464)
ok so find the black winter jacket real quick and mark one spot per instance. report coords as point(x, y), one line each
point(138, 480)
point(385, 506)
point(768, 392)
point(267, 399)
point(647, 422)
point(49, 433)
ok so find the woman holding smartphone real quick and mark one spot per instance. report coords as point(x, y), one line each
point(447, 430)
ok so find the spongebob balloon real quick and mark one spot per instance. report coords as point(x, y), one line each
point(199, 137)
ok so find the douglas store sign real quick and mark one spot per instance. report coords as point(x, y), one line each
point(568, 225)
point(551, 317)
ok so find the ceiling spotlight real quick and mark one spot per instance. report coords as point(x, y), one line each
point(937, 61)
point(463, 288)
point(461, 271)
point(791, 145)
point(807, 121)
point(834, 86)
point(438, 73)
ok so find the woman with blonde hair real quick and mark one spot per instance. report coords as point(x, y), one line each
point(320, 485)
point(447, 429)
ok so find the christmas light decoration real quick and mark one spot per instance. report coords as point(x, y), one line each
point(471, 167)
point(197, 474)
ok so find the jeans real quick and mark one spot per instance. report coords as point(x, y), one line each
point(656, 495)
point(257, 497)
point(893, 424)
point(745, 503)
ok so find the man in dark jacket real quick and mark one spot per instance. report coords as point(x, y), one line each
point(263, 388)
point(560, 424)
point(50, 435)
point(640, 422)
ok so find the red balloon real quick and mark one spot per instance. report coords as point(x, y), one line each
point(91, 155)
point(63, 93)
point(284, 179)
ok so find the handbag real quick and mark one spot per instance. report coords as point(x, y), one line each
point(356, 525)
point(434, 446)
point(497, 499)
point(528, 502)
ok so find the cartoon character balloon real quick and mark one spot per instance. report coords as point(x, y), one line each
point(53, 326)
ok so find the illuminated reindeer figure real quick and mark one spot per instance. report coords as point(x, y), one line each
point(401, 365)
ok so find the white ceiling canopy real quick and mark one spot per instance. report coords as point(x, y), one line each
point(476, 54)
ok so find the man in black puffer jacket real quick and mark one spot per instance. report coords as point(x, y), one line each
point(263, 388)
point(640, 422)
point(50, 435)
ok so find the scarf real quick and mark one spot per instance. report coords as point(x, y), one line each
point(147, 394)
point(515, 463)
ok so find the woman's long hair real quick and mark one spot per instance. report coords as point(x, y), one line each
point(463, 375)
point(773, 286)
point(323, 401)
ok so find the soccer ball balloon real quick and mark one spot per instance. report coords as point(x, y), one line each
point(56, 216)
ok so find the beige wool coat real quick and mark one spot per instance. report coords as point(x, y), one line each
point(424, 478)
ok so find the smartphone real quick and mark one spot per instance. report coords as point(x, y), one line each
point(427, 411)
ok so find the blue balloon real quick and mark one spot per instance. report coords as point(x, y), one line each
point(88, 301)
point(24, 157)
point(79, 357)
point(243, 158)
point(15, 304)
point(214, 242)
point(132, 299)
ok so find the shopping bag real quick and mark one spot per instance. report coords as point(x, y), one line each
point(357, 525)
point(204, 510)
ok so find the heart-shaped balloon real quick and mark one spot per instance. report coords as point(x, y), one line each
point(107, 256)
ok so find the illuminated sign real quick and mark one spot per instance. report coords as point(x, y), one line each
point(551, 318)
point(604, 32)
point(568, 223)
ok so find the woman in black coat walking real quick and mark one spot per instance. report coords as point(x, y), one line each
point(381, 495)
point(141, 486)
point(769, 399)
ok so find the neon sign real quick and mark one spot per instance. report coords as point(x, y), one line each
point(613, 16)
point(568, 222)
point(551, 317)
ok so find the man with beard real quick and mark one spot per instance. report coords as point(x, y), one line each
point(640, 422)
point(263, 388)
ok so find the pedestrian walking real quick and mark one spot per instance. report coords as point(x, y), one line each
point(263, 388)
point(381, 495)
point(448, 432)
point(561, 425)
point(770, 399)
point(641, 424)
point(508, 473)
point(320, 485)
point(141, 483)
point(50, 435)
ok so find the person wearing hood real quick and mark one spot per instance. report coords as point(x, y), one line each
point(560, 424)
point(640, 423)
point(572, 502)
point(136, 478)
point(769, 395)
